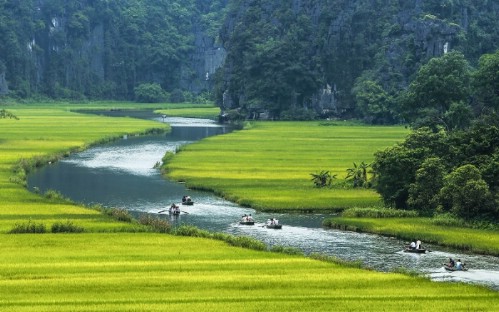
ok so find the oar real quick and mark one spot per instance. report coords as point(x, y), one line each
point(185, 212)
point(161, 211)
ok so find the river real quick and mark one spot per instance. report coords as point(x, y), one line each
point(121, 174)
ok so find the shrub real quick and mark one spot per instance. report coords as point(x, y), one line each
point(119, 214)
point(177, 96)
point(149, 93)
point(158, 225)
point(29, 227)
point(66, 227)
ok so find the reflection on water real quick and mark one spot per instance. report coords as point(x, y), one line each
point(121, 174)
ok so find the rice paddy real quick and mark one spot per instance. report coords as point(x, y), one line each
point(114, 266)
point(269, 166)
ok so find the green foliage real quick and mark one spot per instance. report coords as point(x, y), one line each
point(323, 178)
point(423, 193)
point(376, 106)
point(157, 225)
point(28, 227)
point(486, 81)
point(438, 84)
point(358, 175)
point(119, 214)
point(378, 213)
point(149, 93)
point(6, 114)
point(466, 194)
point(66, 227)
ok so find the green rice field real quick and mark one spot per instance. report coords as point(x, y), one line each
point(153, 272)
point(118, 266)
point(269, 165)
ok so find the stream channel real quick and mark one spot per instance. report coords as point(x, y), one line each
point(121, 174)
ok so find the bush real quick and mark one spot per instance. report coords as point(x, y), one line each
point(177, 96)
point(158, 225)
point(29, 227)
point(66, 227)
point(119, 214)
point(149, 93)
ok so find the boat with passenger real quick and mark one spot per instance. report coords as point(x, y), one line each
point(247, 220)
point(186, 200)
point(273, 223)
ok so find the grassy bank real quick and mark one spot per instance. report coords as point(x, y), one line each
point(191, 110)
point(478, 241)
point(98, 270)
point(269, 166)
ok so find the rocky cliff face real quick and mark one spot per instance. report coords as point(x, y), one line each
point(386, 41)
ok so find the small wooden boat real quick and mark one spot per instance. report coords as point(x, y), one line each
point(414, 250)
point(186, 200)
point(249, 222)
point(453, 269)
point(274, 226)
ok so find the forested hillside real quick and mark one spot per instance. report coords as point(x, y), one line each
point(104, 49)
point(278, 59)
point(343, 58)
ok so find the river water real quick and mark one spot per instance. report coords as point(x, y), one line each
point(121, 174)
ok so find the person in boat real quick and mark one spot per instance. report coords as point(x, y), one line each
point(451, 263)
point(459, 265)
point(174, 208)
point(185, 198)
point(412, 245)
point(418, 244)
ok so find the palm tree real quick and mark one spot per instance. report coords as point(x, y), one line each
point(358, 174)
point(322, 178)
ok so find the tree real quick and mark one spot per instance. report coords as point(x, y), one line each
point(322, 178)
point(466, 194)
point(358, 175)
point(6, 114)
point(395, 167)
point(423, 193)
point(438, 84)
point(486, 81)
point(149, 93)
point(374, 103)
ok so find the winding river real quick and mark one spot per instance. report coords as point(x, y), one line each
point(121, 174)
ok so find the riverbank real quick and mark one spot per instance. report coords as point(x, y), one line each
point(268, 166)
point(99, 270)
point(410, 229)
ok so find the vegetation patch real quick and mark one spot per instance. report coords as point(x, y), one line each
point(474, 240)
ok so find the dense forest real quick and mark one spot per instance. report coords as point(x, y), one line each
point(100, 49)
